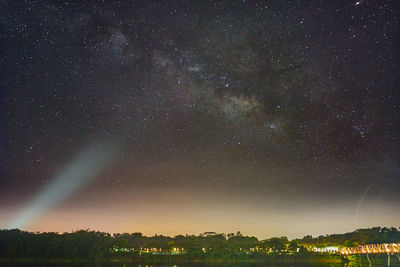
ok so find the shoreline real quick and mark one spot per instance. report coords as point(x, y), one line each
point(274, 259)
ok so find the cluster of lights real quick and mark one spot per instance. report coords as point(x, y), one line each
point(117, 249)
point(147, 250)
point(326, 249)
point(362, 249)
point(372, 248)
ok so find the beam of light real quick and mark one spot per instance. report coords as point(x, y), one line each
point(82, 170)
point(360, 203)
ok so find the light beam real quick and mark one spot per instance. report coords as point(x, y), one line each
point(82, 170)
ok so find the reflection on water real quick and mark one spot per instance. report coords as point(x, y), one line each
point(351, 264)
point(355, 261)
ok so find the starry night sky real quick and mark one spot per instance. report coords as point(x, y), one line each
point(268, 117)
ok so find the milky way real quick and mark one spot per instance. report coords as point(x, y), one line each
point(240, 114)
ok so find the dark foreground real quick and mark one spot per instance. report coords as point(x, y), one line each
point(113, 264)
point(286, 261)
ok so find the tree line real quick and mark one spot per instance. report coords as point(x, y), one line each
point(94, 245)
point(374, 235)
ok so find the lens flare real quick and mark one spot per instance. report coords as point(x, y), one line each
point(82, 170)
point(364, 194)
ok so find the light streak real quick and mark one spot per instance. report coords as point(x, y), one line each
point(82, 170)
point(360, 203)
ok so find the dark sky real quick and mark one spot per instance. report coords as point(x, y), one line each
point(168, 117)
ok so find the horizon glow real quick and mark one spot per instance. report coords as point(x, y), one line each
point(75, 176)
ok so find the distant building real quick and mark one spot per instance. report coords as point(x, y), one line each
point(209, 234)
